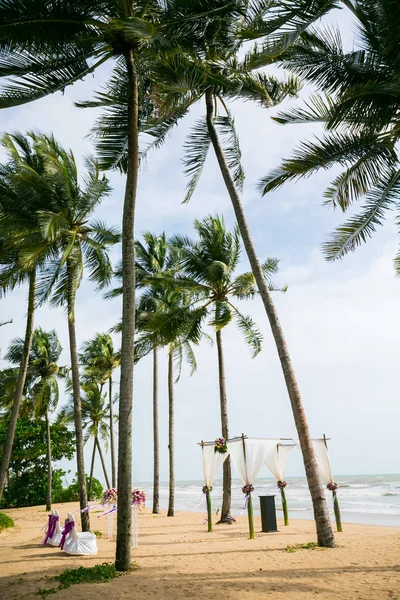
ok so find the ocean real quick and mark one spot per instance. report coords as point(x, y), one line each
point(370, 499)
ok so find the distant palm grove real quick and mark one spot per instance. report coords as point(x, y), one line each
point(165, 57)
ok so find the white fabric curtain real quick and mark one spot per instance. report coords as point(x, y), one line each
point(322, 458)
point(256, 453)
point(212, 462)
point(277, 458)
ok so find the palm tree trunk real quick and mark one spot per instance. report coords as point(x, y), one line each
point(103, 464)
point(91, 470)
point(19, 390)
point(76, 390)
point(124, 519)
point(171, 500)
point(49, 469)
point(156, 443)
point(227, 477)
point(112, 446)
point(321, 514)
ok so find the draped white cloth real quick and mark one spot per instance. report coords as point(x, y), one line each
point(248, 466)
point(211, 462)
point(277, 458)
point(322, 458)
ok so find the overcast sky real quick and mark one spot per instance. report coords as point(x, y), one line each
point(340, 319)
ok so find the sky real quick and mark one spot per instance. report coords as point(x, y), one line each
point(340, 319)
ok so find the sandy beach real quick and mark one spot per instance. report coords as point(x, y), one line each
point(178, 559)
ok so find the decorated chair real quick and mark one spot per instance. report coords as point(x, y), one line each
point(53, 530)
point(76, 543)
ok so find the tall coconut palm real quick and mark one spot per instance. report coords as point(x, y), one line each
point(153, 258)
point(208, 269)
point(359, 109)
point(43, 375)
point(95, 420)
point(23, 191)
point(100, 360)
point(46, 47)
point(206, 67)
point(76, 243)
point(166, 319)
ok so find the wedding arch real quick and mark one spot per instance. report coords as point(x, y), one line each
point(248, 456)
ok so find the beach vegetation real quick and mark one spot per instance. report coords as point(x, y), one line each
point(5, 522)
point(27, 477)
point(41, 388)
point(305, 546)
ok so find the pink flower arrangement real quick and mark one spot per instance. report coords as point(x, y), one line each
point(138, 498)
point(247, 489)
point(281, 484)
point(110, 496)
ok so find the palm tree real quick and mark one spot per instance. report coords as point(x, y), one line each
point(76, 243)
point(95, 420)
point(100, 361)
point(43, 374)
point(22, 192)
point(153, 259)
point(46, 47)
point(166, 319)
point(359, 110)
point(208, 270)
point(205, 66)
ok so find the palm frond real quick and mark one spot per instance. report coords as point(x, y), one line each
point(196, 149)
point(230, 141)
point(359, 228)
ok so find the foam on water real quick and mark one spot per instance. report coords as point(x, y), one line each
point(372, 499)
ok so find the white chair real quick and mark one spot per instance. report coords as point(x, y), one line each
point(53, 531)
point(77, 543)
point(56, 538)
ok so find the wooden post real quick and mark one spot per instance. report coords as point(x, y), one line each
point(250, 500)
point(284, 507)
point(283, 498)
point(209, 513)
point(336, 507)
point(208, 501)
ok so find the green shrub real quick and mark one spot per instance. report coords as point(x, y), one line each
point(97, 574)
point(5, 521)
point(71, 493)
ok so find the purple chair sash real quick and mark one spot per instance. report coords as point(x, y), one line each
point(69, 525)
point(51, 528)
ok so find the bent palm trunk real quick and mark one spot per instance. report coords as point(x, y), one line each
point(321, 514)
point(103, 464)
point(91, 471)
point(112, 445)
point(49, 471)
point(156, 474)
point(171, 501)
point(19, 390)
point(124, 519)
point(76, 391)
point(227, 477)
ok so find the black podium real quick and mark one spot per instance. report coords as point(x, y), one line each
point(268, 514)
